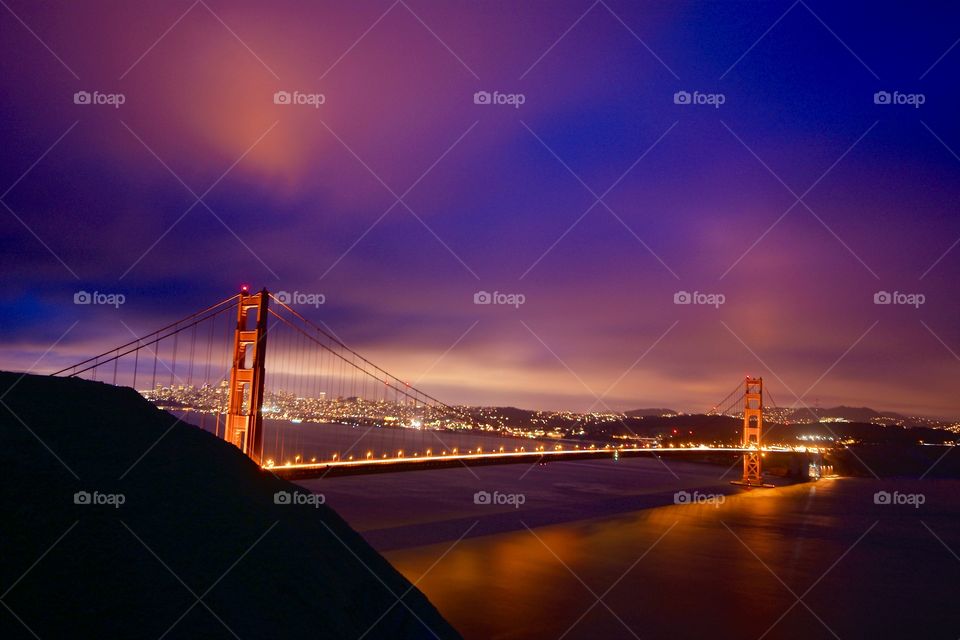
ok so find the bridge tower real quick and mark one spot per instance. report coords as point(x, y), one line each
point(244, 418)
point(752, 426)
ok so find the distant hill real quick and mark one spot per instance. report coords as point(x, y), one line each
point(510, 414)
point(851, 414)
point(198, 520)
point(643, 413)
point(728, 430)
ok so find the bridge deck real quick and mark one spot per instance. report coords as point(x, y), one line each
point(390, 465)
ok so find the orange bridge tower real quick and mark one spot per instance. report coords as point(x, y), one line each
point(752, 427)
point(244, 419)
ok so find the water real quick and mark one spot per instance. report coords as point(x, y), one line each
point(284, 440)
point(735, 569)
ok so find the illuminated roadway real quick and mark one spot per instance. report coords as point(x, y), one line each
point(410, 463)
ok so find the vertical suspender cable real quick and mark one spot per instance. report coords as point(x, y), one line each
point(173, 369)
point(136, 364)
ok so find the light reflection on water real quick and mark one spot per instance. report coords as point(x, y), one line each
point(716, 573)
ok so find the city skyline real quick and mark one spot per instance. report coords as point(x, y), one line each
point(650, 240)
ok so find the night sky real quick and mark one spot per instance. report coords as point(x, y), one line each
point(598, 199)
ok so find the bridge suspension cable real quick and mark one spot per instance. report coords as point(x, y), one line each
point(400, 386)
point(773, 402)
point(315, 377)
point(170, 330)
point(183, 366)
point(715, 409)
point(313, 401)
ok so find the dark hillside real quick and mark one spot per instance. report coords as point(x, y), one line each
point(198, 520)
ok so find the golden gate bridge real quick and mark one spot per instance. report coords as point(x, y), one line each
point(212, 365)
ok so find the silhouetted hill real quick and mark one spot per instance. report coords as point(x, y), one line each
point(642, 413)
point(897, 460)
point(727, 430)
point(851, 414)
point(198, 549)
point(507, 414)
